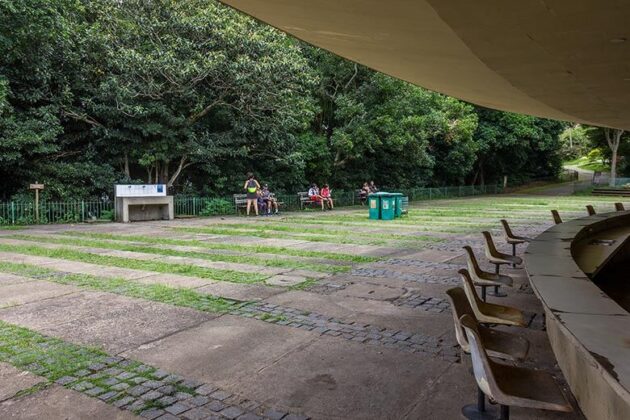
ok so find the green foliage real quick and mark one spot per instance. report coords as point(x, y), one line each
point(194, 94)
point(107, 215)
point(519, 146)
point(575, 142)
point(216, 206)
point(595, 154)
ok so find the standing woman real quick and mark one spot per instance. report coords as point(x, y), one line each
point(252, 186)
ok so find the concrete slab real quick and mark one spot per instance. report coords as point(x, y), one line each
point(13, 380)
point(58, 403)
point(308, 274)
point(226, 351)
point(113, 322)
point(7, 279)
point(444, 398)
point(338, 379)
point(124, 254)
point(75, 266)
point(285, 280)
point(25, 259)
point(220, 265)
point(239, 291)
point(19, 294)
point(175, 280)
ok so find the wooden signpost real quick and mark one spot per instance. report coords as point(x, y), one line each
point(36, 186)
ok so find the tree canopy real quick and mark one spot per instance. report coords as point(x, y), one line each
point(194, 94)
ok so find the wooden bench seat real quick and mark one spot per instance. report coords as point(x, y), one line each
point(240, 201)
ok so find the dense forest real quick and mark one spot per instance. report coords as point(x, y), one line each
point(193, 94)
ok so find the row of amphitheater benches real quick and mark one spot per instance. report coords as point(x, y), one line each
point(589, 209)
point(611, 192)
point(506, 384)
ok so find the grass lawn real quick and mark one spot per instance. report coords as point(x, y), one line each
point(588, 164)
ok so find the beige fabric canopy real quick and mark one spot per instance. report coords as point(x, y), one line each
point(561, 59)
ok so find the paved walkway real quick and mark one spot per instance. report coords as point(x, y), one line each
point(351, 325)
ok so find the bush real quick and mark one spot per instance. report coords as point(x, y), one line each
point(216, 206)
point(107, 215)
point(595, 155)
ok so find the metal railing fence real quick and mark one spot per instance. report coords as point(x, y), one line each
point(23, 212)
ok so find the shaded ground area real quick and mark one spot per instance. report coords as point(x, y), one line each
point(307, 315)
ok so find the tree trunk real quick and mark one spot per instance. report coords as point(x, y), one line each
point(475, 177)
point(613, 138)
point(149, 169)
point(126, 165)
point(182, 165)
point(613, 168)
point(165, 171)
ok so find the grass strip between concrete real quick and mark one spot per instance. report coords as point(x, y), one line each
point(160, 267)
point(278, 227)
point(176, 296)
point(267, 262)
point(270, 234)
point(225, 246)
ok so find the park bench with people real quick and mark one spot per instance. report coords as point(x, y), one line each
point(305, 200)
point(240, 202)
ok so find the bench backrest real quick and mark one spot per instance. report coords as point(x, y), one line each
point(239, 199)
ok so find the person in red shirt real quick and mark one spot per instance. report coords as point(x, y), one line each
point(326, 197)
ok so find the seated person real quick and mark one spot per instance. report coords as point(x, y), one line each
point(315, 197)
point(270, 200)
point(365, 190)
point(326, 197)
point(262, 204)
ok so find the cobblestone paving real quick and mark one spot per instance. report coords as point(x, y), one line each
point(456, 245)
point(425, 303)
point(352, 331)
point(124, 383)
point(418, 263)
point(325, 325)
point(392, 274)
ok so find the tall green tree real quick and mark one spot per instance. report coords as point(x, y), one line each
point(194, 83)
point(517, 146)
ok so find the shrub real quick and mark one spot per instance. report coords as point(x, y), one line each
point(216, 206)
point(107, 215)
point(595, 155)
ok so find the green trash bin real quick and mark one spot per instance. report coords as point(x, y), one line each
point(388, 206)
point(374, 206)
